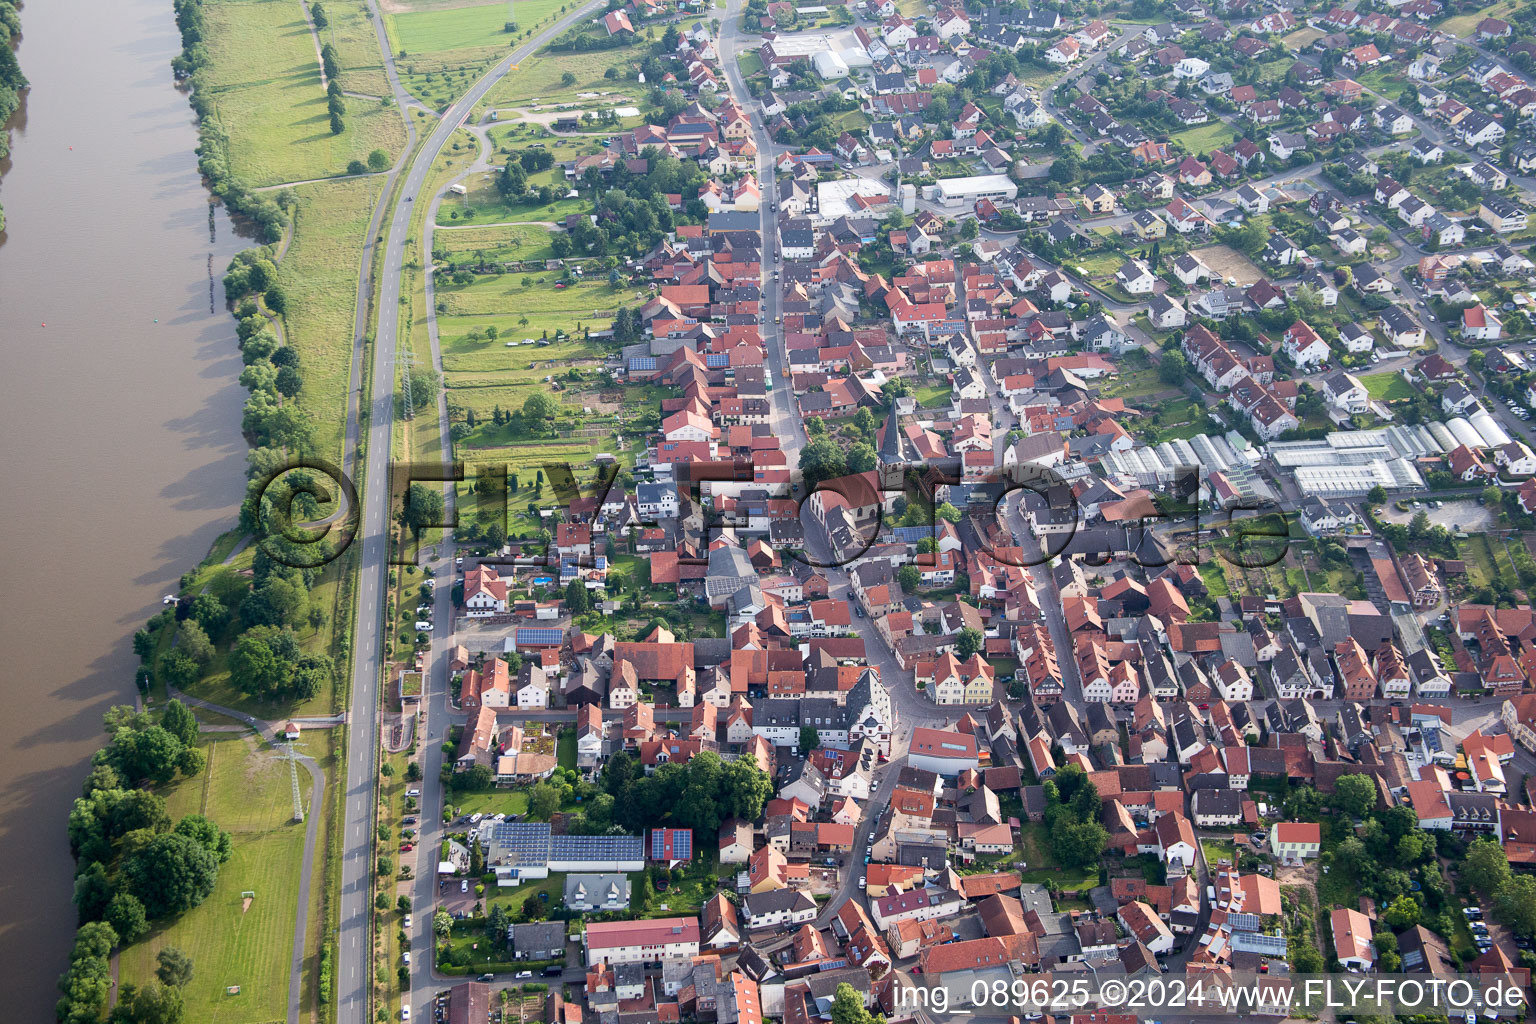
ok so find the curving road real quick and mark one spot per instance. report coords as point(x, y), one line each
point(354, 936)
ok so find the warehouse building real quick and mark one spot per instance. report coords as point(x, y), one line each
point(972, 189)
point(518, 850)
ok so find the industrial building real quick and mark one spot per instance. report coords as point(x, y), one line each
point(518, 850)
point(847, 197)
point(971, 189)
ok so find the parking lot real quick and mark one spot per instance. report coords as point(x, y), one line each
point(1466, 515)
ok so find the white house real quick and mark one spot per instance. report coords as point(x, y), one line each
point(1357, 338)
point(1191, 67)
point(1252, 200)
point(1481, 323)
point(1345, 393)
point(1516, 458)
point(1135, 277)
point(1303, 346)
point(533, 692)
point(1166, 314)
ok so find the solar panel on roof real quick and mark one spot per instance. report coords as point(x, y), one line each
point(643, 363)
point(1254, 942)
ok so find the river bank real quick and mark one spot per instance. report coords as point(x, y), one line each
point(123, 413)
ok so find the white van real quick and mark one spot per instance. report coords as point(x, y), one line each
point(423, 626)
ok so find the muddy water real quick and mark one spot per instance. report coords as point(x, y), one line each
point(122, 455)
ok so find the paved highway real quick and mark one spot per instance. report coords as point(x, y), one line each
point(354, 939)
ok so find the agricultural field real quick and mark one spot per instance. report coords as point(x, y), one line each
point(521, 306)
point(539, 79)
point(246, 789)
point(351, 31)
point(441, 48)
point(1301, 39)
point(319, 277)
point(1465, 25)
point(264, 82)
point(427, 28)
point(499, 242)
point(1226, 262)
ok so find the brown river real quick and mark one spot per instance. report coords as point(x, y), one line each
point(122, 455)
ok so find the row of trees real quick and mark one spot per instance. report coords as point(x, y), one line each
point(134, 866)
point(269, 215)
point(88, 981)
point(335, 105)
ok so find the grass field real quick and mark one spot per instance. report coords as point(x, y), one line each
point(351, 31)
point(506, 299)
point(1465, 25)
point(319, 276)
point(483, 203)
point(1273, 71)
point(1388, 387)
point(264, 82)
point(1206, 137)
point(1216, 851)
point(441, 49)
point(245, 789)
point(434, 28)
point(539, 78)
point(502, 242)
point(1301, 38)
point(750, 63)
point(1035, 845)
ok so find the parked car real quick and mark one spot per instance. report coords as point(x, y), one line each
point(521, 975)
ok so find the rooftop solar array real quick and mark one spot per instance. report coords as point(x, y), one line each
point(531, 844)
point(540, 635)
point(671, 844)
point(1244, 922)
point(1256, 942)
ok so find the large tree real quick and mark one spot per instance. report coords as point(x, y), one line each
point(1515, 904)
point(172, 873)
point(968, 642)
point(822, 460)
point(1355, 795)
point(178, 720)
point(425, 507)
point(126, 916)
point(848, 1006)
point(153, 1003)
point(174, 967)
point(213, 839)
point(1485, 866)
point(263, 661)
point(539, 407)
